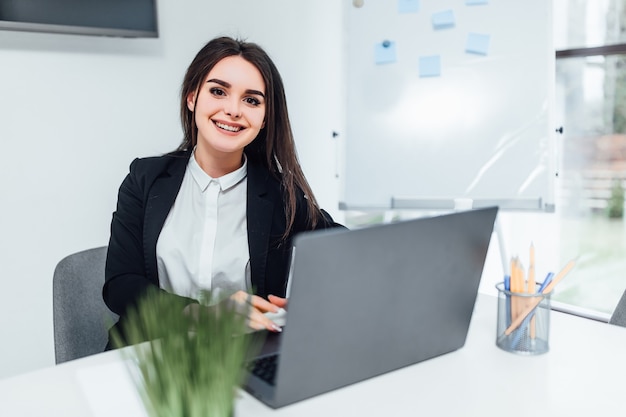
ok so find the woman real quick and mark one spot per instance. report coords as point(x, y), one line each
point(219, 213)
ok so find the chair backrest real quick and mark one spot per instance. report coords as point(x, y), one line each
point(619, 314)
point(81, 319)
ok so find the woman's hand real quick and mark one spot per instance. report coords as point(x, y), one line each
point(257, 307)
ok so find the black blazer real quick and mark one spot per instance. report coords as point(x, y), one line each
point(144, 201)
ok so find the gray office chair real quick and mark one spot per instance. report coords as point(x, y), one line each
point(619, 314)
point(81, 318)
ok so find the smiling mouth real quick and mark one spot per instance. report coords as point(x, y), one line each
point(228, 127)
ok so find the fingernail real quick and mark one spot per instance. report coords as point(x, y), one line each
point(277, 328)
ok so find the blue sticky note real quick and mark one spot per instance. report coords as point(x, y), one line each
point(475, 2)
point(477, 43)
point(385, 52)
point(443, 19)
point(430, 66)
point(408, 6)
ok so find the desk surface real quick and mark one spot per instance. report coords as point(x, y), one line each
point(583, 374)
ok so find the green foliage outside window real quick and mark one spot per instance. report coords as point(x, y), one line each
point(615, 208)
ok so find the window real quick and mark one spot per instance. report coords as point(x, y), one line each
point(590, 42)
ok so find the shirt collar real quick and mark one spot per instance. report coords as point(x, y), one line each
point(225, 181)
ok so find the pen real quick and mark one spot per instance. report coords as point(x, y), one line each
point(520, 329)
point(507, 287)
point(546, 281)
point(512, 284)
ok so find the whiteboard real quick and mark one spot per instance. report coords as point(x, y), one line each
point(478, 132)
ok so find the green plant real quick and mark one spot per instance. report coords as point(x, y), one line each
point(194, 360)
point(615, 208)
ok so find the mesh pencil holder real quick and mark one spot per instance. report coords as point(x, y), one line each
point(523, 322)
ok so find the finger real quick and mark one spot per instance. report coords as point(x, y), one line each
point(255, 301)
point(257, 320)
point(240, 296)
point(278, 301)
point(262, 304)
point(255, 325)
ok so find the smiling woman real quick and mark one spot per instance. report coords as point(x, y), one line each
point(218, 214)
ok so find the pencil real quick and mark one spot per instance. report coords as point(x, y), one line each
point(519, 287)
point(513, 288)
point(531, 286)
point(535, 302)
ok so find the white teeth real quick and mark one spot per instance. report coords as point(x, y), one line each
point(229, 128)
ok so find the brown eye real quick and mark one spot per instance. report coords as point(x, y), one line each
point(253, 101)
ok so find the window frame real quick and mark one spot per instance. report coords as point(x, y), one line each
point(582, 52)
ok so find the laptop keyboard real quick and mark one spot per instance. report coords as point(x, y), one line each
point(264, 368)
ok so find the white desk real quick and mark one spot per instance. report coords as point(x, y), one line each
point(582, 375)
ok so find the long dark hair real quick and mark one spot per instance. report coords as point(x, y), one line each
point(274, 147)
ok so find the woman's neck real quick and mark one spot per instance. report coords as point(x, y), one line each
point(218, 165)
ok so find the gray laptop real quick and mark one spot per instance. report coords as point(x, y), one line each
point(368, 301)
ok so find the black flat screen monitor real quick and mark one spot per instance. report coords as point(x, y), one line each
point(123, 18)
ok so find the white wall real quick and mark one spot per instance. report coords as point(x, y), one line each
point(75, 110)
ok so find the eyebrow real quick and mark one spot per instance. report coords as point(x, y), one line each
point(227, 85)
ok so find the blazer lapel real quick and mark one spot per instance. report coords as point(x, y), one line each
point(159, 201)
point(259, 209)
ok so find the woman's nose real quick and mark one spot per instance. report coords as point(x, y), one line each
point(232, 109)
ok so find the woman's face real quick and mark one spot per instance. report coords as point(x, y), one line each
point(230, 108)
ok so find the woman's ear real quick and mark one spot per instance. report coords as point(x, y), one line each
point(191, 101)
